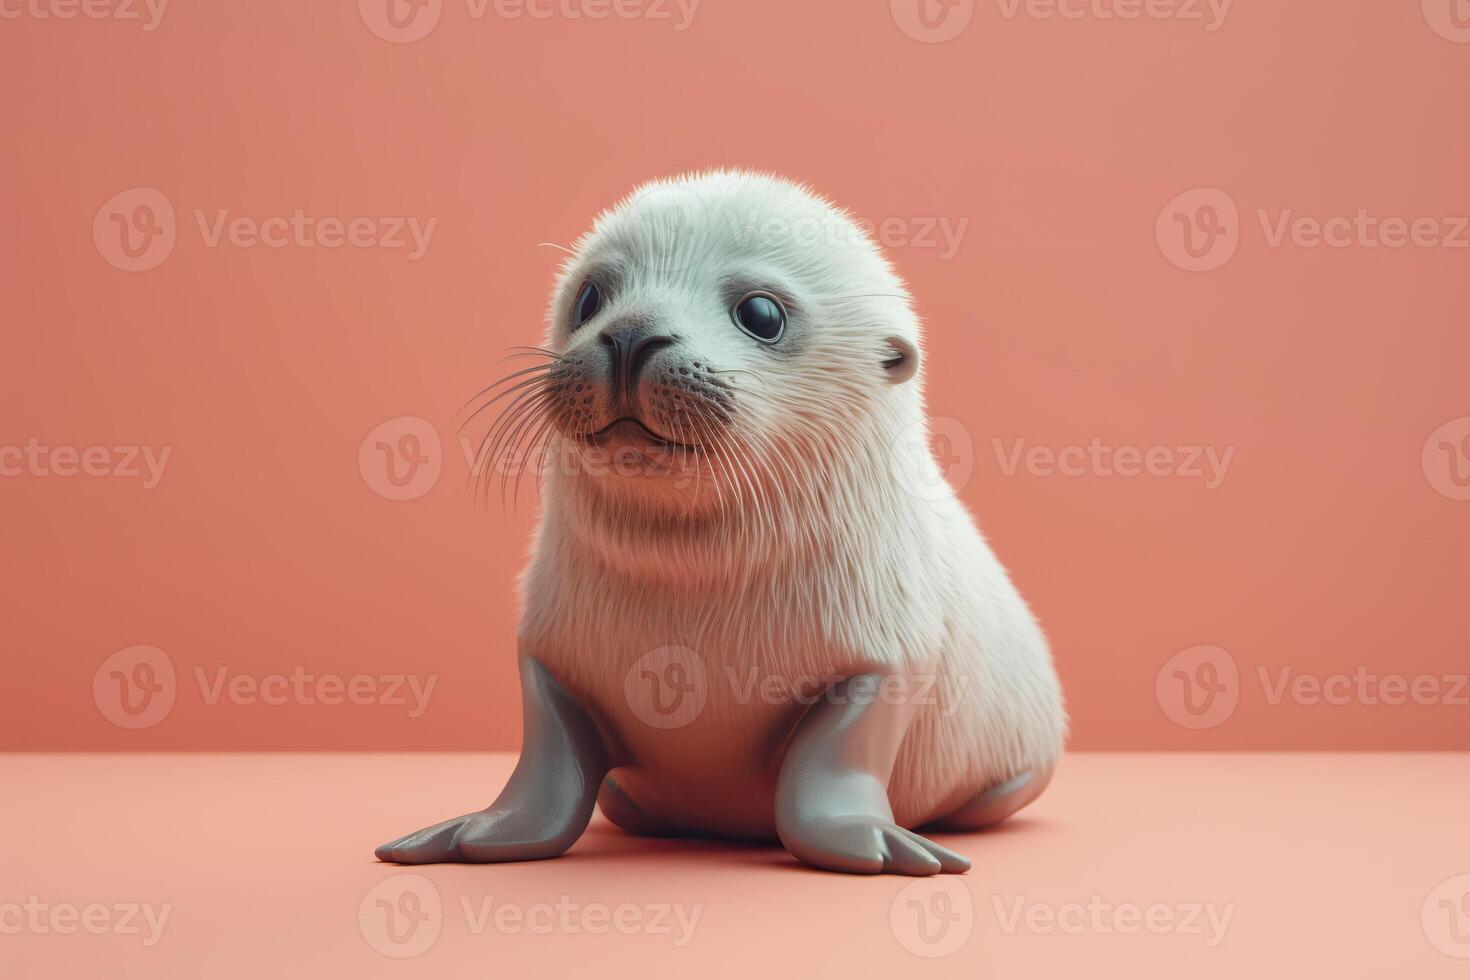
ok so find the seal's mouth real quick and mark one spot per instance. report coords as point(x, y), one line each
point(630, 431)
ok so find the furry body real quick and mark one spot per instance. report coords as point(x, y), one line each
point(826, 549)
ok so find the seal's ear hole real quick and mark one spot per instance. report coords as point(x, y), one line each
point(902, 360)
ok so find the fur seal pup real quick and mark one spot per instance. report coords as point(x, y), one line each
point(754, 610)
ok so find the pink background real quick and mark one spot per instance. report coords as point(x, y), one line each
point(1331, 544)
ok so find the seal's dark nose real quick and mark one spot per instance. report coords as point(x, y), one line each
point(630, 348)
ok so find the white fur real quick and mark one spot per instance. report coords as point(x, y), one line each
point(802, 549)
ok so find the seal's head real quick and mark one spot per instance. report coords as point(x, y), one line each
point(721, 339)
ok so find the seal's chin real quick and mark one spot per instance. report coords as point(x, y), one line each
point(630, 433)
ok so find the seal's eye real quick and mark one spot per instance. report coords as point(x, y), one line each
point(589, 301)
point(761, 316)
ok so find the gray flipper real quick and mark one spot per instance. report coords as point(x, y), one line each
point(990, 807)
point(832, 807)
point(627, 813)
point(548, 800)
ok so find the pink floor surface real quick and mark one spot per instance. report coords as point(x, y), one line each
point(1200, 866)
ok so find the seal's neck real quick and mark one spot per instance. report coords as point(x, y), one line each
point(841, 513)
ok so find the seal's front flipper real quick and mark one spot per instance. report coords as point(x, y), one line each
point(832, 807)
point(870, 845)
point(431, 845)
point(546, 804)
